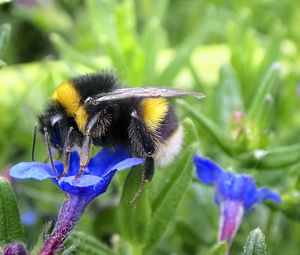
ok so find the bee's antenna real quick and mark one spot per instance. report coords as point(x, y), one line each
point(49, 149)
point(33, 142)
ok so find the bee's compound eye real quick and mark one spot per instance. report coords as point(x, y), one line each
point(55, 119)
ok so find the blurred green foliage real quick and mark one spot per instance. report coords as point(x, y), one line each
point(243, 55)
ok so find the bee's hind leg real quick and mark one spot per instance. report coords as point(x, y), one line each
point(147, 176)
point(149, 169)
point(145, 140)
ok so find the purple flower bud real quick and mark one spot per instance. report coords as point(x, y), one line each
point(15, 249)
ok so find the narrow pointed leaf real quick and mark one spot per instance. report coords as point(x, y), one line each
point(150, 45)
point(255, 244)
point(5, 30)
point(263, 90)
point(215, 131)
point(11, 228)
point(272, 159)
point(71, 54)
point(173, 183)
point(135, 216)
point(103, 18)
point(182, 54)
point(228, 97)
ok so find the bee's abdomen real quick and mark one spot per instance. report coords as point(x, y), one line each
point(170, 137)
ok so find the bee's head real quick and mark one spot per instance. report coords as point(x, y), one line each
point(53, 122)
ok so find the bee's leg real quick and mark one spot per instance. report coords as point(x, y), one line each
point(33, 143)
point(87, 144)
point(147, 176)
point(67, 153)
point(84, 154)
point(142, 135)
point(102, 117)
point(149, 169)
point(144, 138)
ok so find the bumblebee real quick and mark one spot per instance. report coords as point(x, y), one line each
point(95, 109)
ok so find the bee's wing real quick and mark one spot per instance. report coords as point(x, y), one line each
point(141, 92)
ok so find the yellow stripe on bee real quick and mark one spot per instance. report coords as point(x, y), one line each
point(67, 95)
point(81, 118)
point(154, 110)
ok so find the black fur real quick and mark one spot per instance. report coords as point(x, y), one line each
point(92, 84)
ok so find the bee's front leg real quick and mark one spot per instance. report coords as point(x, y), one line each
point(69, 144)
point(84, 154)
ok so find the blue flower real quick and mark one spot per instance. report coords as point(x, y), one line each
point(95, 179)
point(29, 218)
point(234, 194)
point(230, 186)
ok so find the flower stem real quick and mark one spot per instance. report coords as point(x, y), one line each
point(69, 214)
point(231, 216)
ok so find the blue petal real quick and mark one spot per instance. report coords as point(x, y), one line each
point(74, 163)
point(84, 185)
point(84, 180)
point(260, 196)
point(207, 170)
point(237, 187)
point(127, 163)
point(105, 159)
point(32, 170)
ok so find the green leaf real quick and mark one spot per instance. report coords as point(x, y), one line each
point(150, 45)
point(5, 30)
point(172, 186)
point(228, 98)
point(104, 22)
point(2, 63)
point(5, 1)
point(11, 228)
point(134, 217)
point(71, 54)
point(218, 249)
point(264, 90)
point(272, 159)
point(85, 244)
point(216, 132)
point(255, 244)
point(182, 54)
